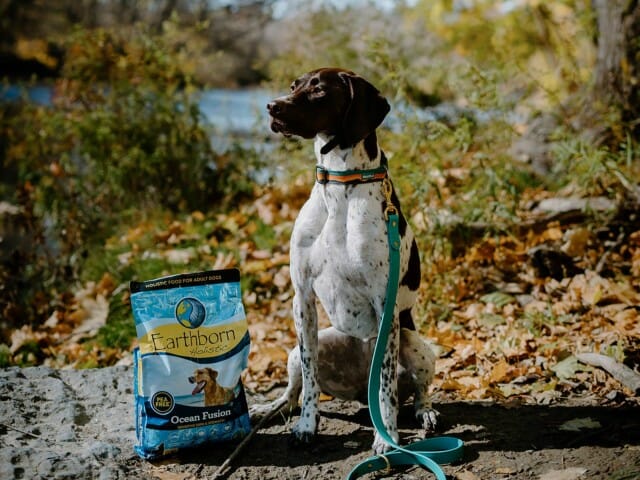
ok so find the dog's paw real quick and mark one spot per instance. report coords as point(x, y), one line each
point(303, 432)
point(257, 412)
point(428, 418)
point(380, 447)
point(297, 439)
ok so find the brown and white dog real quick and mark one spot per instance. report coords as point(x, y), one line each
point(214, 394)
point(340, 256)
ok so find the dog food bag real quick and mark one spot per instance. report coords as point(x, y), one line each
point(193, 346)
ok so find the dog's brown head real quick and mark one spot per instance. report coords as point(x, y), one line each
point(201, 377)
point(331, 101)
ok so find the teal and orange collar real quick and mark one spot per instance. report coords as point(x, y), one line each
point(350, 177)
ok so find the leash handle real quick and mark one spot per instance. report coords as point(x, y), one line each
point(429, 452)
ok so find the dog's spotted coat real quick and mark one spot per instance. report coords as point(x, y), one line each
point(340, 256)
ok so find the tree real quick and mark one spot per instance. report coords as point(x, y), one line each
point(617, 72)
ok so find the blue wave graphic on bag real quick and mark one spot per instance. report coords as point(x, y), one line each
point(193, 345)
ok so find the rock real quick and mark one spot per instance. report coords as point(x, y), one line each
point(66, 423)
point(534, 147)
point(549, 262)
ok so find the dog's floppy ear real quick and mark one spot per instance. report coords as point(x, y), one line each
point(365, 112)
point(212, 373)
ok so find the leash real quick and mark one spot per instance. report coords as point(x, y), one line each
point(429, 452)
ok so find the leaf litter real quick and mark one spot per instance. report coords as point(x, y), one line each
point(501, 330)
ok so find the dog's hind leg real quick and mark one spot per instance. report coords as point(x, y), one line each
point(343, 372)
point(419, 361)
point(288, 401)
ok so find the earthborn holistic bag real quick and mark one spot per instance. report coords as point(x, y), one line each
point(193, 345)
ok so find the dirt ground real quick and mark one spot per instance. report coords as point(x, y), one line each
point(71, 424)
point(560, 442)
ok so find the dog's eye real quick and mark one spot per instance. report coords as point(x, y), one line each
point(316, 93)
point(292, 87)
point(314, 81)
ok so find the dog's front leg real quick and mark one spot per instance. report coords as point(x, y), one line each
point(305, 318)
point(389, 390)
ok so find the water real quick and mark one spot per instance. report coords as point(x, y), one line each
point(239, 117)
point(38, 94)
point(236, 111)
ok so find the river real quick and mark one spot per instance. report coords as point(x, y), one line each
point(239, 116)
point(234, 115)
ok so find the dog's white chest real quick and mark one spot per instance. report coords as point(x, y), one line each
point(339, 250)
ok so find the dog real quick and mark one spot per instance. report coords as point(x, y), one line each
point(339, 255)
point(214, 394)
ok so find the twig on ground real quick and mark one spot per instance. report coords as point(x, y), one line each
point(603, 260)
point(625, 375)
point(27, 433)
point(221, 470)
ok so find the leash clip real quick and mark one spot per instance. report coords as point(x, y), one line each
point(387, 190)
point(387, 468)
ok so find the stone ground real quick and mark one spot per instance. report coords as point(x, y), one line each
point(76, 424)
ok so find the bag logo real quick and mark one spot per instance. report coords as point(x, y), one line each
point(190, 312)
point(162, 402)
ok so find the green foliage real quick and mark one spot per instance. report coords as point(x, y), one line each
point(120, 329)
point(124, 134)
point(594, 169)
point(124, 144)
point(5, 356)
point(397, 60)
point(492, 71)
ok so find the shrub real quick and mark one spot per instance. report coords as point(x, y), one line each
point(123, 134)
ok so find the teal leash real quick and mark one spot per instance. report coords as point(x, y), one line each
point(430, 452)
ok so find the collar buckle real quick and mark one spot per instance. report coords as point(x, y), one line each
point(322, 175)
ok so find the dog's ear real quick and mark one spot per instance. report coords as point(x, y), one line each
point(365, 112)
point(213, 373)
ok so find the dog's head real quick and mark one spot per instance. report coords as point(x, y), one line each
point(201, 377)
point(331, 101)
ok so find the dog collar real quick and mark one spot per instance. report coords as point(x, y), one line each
point(350, 177)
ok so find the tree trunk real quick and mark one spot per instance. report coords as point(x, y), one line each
point(617, 75)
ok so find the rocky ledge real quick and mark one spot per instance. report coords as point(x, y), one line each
point(66, 423)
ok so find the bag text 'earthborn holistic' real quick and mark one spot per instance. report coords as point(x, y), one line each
point(193, 346)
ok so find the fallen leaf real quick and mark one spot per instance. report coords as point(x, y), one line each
point(567, 368)
point(499, 299)
point(509, 389)
point(567, 474)
point(466, 475)
point(578, 424)
point(282, 278)
point(576, 241)
point(499, 372)
point(198, 216)
point(505, 471)
point(489, 320)
point(106, 285)
point(96, 311)
point(179, 256)
point(161, 473)
point(23, 336)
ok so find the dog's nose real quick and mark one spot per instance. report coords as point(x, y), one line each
point(273, 107)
